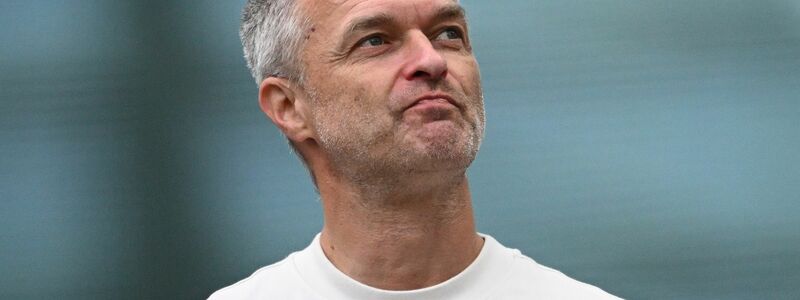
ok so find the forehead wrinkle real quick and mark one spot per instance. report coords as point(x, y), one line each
point(449, 12)
point(369, 22)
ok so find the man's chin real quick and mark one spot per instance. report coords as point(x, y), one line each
point(446, 152)
point(436, 131)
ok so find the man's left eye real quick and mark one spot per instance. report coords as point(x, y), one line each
point(449, 34)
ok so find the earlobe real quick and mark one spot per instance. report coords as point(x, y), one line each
point(278, 100)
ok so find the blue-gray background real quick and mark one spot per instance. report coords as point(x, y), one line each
point(647, 147)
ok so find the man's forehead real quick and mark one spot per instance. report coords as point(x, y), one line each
point(341, 2)
point(319, 9)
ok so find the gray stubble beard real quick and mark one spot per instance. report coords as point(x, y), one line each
point(354, 159)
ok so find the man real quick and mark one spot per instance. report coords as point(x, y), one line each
point(382, 101)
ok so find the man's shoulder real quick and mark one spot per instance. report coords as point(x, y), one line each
point(529, 277)
point(278, 279)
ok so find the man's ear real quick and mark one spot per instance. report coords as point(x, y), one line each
point(278, 100)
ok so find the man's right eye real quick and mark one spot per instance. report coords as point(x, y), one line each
point(373, 41)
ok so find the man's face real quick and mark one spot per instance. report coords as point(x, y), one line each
point(393, 85)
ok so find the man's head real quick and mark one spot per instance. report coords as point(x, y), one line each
point(380, 87)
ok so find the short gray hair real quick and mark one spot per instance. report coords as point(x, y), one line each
point(272, 38)
point(272, 33)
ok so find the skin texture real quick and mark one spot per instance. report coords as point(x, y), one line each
point(389, 118)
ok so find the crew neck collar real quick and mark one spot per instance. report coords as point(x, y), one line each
point(323, 277)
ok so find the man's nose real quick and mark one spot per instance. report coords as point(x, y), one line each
point(423, 60)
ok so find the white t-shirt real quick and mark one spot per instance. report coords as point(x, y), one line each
point(497, 273)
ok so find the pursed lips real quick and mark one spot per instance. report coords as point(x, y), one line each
point(433, 100)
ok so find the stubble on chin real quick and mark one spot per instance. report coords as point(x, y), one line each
point(368, 145)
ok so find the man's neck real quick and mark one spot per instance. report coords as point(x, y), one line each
point(404, 239)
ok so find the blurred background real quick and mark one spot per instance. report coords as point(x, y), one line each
point(647, 147)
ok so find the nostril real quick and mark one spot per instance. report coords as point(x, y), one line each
point(426, 74)
point(420, 74)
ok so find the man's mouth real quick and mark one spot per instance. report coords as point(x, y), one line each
point(432, 108)
point(433, 101)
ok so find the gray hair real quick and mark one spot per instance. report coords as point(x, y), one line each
point(272, 38)
point(272, 33)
